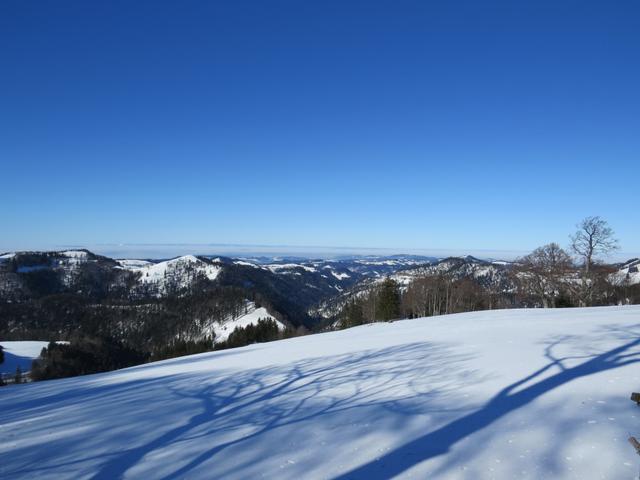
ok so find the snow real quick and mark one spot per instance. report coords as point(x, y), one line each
point(73, 257)
point(154, 272)
point(511, 394)
point(246, 264)
point(633, 278)
point(7, 256)
point(377, 262)
point(74, 254)
point(628, 274)
point(133, 264)
point(223, 330)
point(275, 268)
point(20, 353)
point(340, 276)
point(158, 272)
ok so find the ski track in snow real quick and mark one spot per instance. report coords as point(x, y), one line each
point(511, 394)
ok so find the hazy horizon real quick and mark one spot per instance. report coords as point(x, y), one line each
point(158, 251)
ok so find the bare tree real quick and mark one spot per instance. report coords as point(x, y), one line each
point(594, 237)
point(544, 272)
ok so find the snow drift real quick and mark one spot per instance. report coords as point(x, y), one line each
point(502, 394)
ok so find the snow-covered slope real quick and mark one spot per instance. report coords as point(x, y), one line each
point(20, 353)
point(253, 315)
point(172, 275)
point(628, 273)
point(520, 394)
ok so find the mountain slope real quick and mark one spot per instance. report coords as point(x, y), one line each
point(521, 394)
point(150, 303)
point(493, 275)
point(627, 273)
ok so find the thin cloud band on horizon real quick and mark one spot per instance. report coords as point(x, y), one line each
point(168, 250)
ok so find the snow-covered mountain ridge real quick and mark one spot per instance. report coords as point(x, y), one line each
point(152, 302)
point(490, 274)
point(510, 394)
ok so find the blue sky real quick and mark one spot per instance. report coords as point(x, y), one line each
point(401, 124)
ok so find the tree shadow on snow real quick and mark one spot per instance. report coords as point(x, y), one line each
point(507, 400)
point(231, 408)
point(272, 398)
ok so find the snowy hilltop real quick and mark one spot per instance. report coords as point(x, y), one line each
point(510, 394)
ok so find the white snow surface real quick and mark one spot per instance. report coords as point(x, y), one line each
point(340, 276)
point(628, 273)
point(278, 267)
point(133, 264)
point(246, 264)
point(179, 269)
point(155, 272)
point(223, 330)
point(7, 256)
point(20, 353)
point(74, 254)
point(511, 394)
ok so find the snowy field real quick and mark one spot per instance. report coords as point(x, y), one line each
point(512, 394)
point(20, 353)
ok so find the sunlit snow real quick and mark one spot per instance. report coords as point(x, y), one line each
point(511, 394)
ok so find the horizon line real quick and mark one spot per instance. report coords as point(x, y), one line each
point(172, 250)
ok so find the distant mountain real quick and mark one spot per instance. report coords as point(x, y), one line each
point(145, 302)
point(489, 274)
point(367, 266)
point(150, 302)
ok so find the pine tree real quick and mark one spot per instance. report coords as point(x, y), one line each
point(388, 301)
point(354, 314)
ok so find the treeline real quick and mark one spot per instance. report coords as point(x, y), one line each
point(145, 324)
point(382, 303)
point(547, 277)
point(83, 355)
point(265, 330)
point(550, 277)
point(180, 348)
point(423, 297)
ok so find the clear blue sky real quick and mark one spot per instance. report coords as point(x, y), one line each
point(401, 124)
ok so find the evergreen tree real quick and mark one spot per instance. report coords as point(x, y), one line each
point(266, 330)
point(18, 378)
point(83, 355)
point(388, 301)
point(354, 314)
